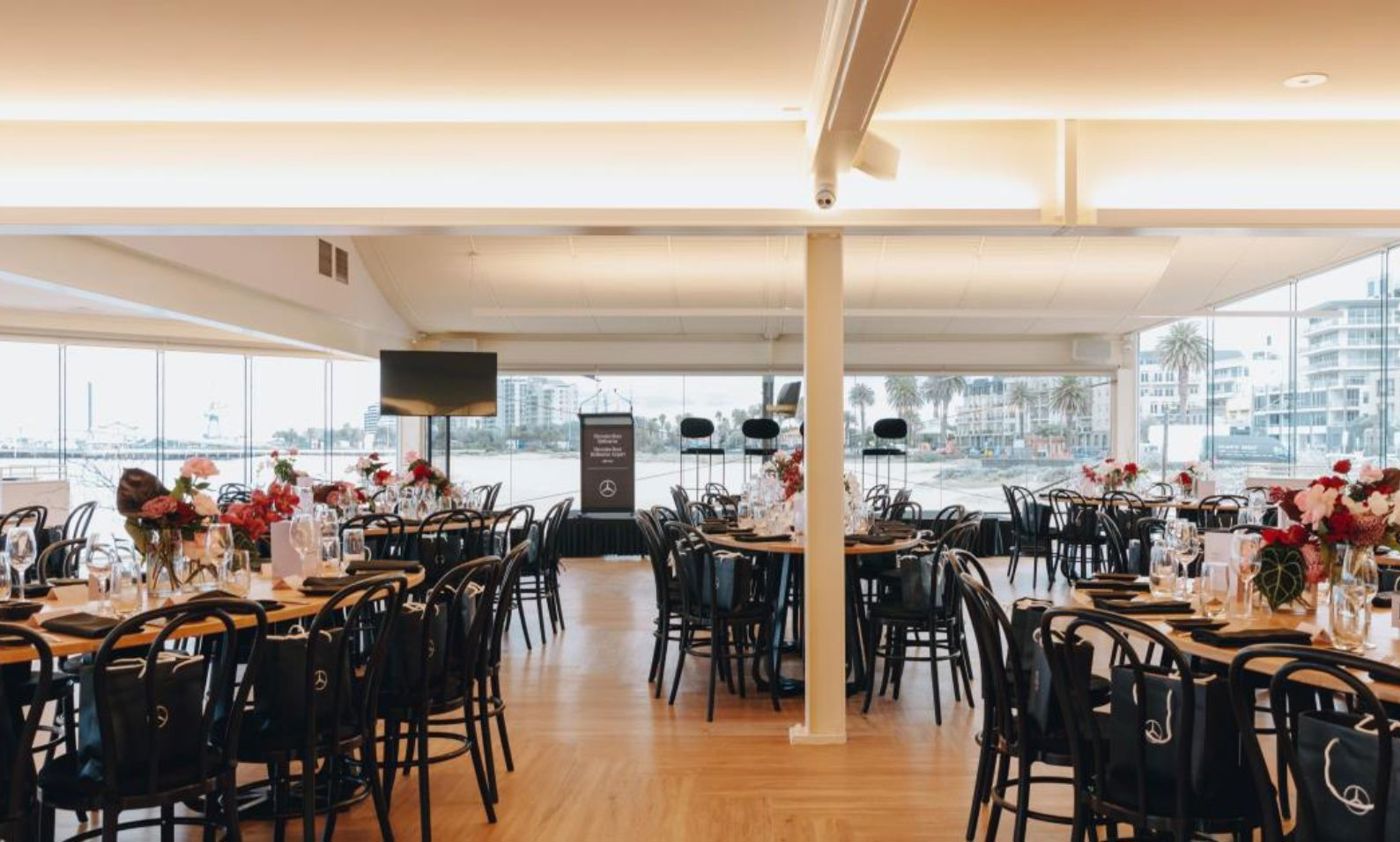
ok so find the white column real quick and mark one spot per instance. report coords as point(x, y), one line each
point(1124, 435)
point(825, 586)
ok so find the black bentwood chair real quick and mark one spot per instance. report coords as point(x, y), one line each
point(722, 605)
point(1331, 742)
point(158, 728)
point(317, 700)
point(390, 545)
point(667, 625)
point(540, 580)
point(1165, 757)
point(17, 818)
point(437, 646)
point(492, 704)
point(78, 520)
point(445, 539)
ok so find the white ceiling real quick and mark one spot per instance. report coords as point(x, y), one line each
point(895, 286)
point(414, 59)
point(1109, 58)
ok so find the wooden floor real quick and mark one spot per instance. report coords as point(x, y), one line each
point(598, 758)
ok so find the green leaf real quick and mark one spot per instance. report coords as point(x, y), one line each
point(1281, 576)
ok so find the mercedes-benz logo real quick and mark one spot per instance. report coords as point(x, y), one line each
point(162, 716)
point(607, 488)
point(322, 680)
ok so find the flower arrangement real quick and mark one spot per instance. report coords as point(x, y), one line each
point(1190, 475)
point(372, 470)
point(160, 519)
point(421, 473)
point(252, 520)
point(1335, 510)
point(787, 467)
point(285, 467)
point(1110, 475)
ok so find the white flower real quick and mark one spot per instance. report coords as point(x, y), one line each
point(1370, 473)
point(1316, 502)
point(205, 506)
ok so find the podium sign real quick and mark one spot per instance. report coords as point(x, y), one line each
point(607, 462)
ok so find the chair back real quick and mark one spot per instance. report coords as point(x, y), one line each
point(878, 506)
point(552, 536)
point(449, 631)
point(878, 490)
point(59, 560)
point(35, 516)
point(1222, 511)
point(890, 429)
point(906, 511)
point(233, 492)
point(78, 520)
point(1115, 546)
point(1330, 742)
point(760, 436)
point(17, 786)
point(947, 518)
point(698, 512)
point(1065, 506)
point(493, 496)
point(1004, 679)
point(696, 571)
point(903, 495)
point(659, 555)
point(1161, 490)
point(167, 717)
point(507, 524)
point(389, 545)
point(446, 539)
point(1139, 762)
point(682, 501)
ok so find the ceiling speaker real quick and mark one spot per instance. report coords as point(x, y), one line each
point(1093, 351)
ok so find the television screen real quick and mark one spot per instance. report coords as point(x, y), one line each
point(437, 383)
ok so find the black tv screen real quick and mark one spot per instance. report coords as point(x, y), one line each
point(437, 383)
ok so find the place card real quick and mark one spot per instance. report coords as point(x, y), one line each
point(69, 595)
point(1217, 547)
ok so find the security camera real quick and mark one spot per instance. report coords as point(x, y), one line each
point(826, 195)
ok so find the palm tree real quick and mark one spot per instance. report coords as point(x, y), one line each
point(1020, 399)
point(902, 392)
point(939, 392)
point(1184, 350)
point(1070, 398)
point(860, 397)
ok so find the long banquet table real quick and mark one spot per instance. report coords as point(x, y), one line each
point(295, 606)
point(1384, 637)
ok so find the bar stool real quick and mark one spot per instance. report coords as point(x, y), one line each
point(891, 442)
point(694, 431)
point(760, 440)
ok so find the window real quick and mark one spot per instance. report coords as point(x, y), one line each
point(110, 420)
point(203, 413)
point(289, 411)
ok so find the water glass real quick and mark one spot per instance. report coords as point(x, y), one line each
point(218, 546)
point(1214, 590)
point(21, 545)
point(4, 575)
point(1245, 549)
point(305, 537)
point(330, 552)
point(1161, 573)
point(238, 577)
point(99, 560)
point(128, 593)
point(1360, 566)
point(352, 546)
point(1350, 614)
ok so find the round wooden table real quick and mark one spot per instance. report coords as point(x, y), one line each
point(295, 605)
point(1384, 636)
point(790, 554)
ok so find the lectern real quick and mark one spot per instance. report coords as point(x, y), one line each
point(607, 463)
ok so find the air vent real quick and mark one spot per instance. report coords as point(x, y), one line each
point(333, 262)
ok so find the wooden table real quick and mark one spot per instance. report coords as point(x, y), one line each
point(1385, 637)
point(413, 527)
point(790, 554)
point(1153, 503)
point(295, 605)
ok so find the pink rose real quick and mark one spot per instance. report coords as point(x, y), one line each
point(205, 506)
point(159, 507)
point(1370, 473)
point(410, 456)
point(293, 452)
point(198, 467)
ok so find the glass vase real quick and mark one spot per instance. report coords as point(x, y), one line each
point(165, 557)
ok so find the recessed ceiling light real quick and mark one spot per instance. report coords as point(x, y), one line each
point(1305, 80)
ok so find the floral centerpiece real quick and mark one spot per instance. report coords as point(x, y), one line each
point(787, 467)
point(161, 520)
point(1335, 510)
point(338, 494)
point(372, 470)
point(1193, 473)
point(251, 521)
point(284, 467)
point(1110, 475)
point(422, 474)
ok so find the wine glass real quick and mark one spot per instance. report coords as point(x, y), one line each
point(304, 535)
point(1214, 590)
point(5, 582)
point(218, 546)
point(20, 544)
point(1161, 572)
point(99, 560)
point(1184, 541)
point(1245, 550)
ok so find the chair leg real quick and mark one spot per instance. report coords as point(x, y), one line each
point(501, 720)
point(979, 785)
point(558, 603)
point(425, 820)
point(680, 661)
point(167, 823)
point(656, 650)
point(524, 625)
point(110, 818)
point(998, 788)
point(232, 831)
point(483, 702)
point(277, 780)
point(870, 667)
point(391, 756)
point(381, 802)
point(539, 597)
point(1015, 556)
point(1023, 800)
point(726, 657)
point(482, 786)
point(308, 798)
point(333, 776)
point(933, 672)
point(663, 642)
point(716, 647)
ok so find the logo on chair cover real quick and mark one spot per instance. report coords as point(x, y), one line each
point(607, 488)
point(321, 680)
point(162, 716)
point(1158, 732)
point(1354, 797)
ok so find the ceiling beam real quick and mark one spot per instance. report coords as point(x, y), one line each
point(859, 43)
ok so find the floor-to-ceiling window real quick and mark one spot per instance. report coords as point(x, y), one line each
point(110, 419)
point(203, 412)
point(289, 412)
point(1282, 383)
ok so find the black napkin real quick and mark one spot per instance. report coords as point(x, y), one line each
point(714, 527)
point(1384, 677)
point(326, 584)
point(761, 539)
point(1248, 637)
point(1115, 577)
point(1112, 585)
point(15, 610)
point(876, 539)
point(267, 604)
point(34, 590)
point(1382, 600)
point(1184, 624)
point(383, 565)
point(1162, 606)
point(81, 624)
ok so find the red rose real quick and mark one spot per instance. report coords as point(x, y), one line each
point(1330, 482)
point(1342, 466)
point(1341, 525)
point(421, 471)
point(382, 477)
point(159, 507)
point(1131, 469)
point(273, 454)
point(1183, 478)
